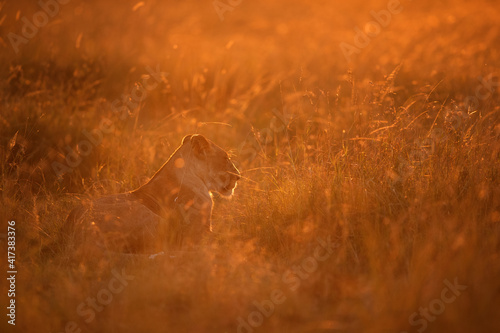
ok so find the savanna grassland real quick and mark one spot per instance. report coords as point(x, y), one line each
point(370, 155)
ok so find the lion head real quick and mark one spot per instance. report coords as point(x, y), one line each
point(214, 166)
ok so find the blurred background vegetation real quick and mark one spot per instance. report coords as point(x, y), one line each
point(393, 152)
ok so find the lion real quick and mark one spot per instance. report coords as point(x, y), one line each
point(176, 200)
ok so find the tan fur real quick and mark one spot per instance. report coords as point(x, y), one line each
point(175, 206)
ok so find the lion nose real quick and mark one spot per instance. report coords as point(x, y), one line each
point(236, 175)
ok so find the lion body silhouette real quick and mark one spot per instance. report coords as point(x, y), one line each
point(176, 203)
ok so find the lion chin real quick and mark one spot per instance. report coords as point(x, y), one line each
point(227, 192)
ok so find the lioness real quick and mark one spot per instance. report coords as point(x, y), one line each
point(180, 192)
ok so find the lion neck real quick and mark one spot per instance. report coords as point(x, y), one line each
point(177, 181)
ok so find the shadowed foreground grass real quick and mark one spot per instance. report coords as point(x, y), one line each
point(371, 193)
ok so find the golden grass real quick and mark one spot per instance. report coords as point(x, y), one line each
point(384, 154)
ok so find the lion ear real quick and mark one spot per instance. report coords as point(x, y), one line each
point(200, 144)
point(186, 139)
